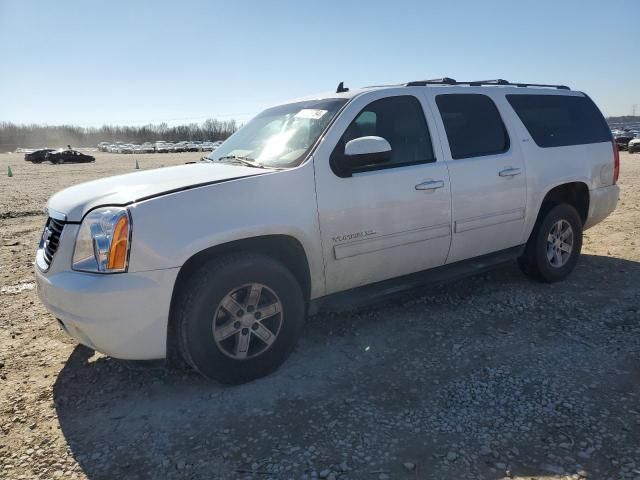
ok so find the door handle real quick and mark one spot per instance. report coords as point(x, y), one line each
point(430, 185)
point(509, 172)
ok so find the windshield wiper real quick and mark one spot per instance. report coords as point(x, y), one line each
point(249, 162)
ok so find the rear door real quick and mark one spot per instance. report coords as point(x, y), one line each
point(487, 173)
point(386, 220)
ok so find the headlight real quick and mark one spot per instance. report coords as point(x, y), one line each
point(102, 244)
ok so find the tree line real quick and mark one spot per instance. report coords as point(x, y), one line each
point(14, 136)
point(624, 119)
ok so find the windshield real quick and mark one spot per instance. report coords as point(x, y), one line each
point(279, 137)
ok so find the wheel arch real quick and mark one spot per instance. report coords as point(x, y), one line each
point(574, 193)
point(286, 249)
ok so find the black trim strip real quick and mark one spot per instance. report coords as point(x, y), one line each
point(366, 294)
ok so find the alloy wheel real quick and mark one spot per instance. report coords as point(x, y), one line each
point(247, 321)
point(560, 243)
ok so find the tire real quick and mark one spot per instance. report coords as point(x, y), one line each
point(536, 261)
point(203, 321)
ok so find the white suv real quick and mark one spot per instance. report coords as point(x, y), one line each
point(325, 200)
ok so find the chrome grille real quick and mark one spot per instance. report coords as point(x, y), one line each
point(51, 239)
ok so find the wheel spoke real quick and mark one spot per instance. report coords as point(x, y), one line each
point(254, 295)
point(242, 345)
point(230, 305)
point(551, 238)
point(264, 334)
point(269, 310)
point(565, 247)
point(550, 253)
point(566, 233)
point(226, 331)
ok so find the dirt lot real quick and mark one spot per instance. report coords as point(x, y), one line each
point(490, 377)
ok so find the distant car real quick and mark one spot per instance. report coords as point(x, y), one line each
point(634, 145)
point(69, 156)
point(179, 147)
point(622, 138)
point(38, 156)
point(102, 146)
point(163, 147)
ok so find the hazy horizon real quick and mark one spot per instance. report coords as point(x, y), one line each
point(87, 64)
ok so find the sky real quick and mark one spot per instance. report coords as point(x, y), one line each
point(136, 62)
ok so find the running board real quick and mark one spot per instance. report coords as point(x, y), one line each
point(360, 296)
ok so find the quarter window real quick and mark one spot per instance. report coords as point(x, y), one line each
point(473, 125)
point(560, 120)
point(399, 120)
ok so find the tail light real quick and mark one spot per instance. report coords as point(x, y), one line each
point(616, 162)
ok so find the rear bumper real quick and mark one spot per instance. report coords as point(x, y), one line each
point(122, 315)
point(602, 201)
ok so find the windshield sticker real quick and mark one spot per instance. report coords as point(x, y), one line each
point(311, 113)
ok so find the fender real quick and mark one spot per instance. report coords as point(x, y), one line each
point(536, 203)
point(170, 229)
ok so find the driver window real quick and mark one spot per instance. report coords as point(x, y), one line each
point(399, 120)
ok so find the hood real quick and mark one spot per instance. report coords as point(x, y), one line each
point(76, 201)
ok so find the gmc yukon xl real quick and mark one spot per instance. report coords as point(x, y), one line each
point(326, 200)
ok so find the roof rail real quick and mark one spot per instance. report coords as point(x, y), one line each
point(479, 83)
point(497, 81)
point(433, 81)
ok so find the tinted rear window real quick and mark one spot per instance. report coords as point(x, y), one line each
point(473, 125)
point(560, 120)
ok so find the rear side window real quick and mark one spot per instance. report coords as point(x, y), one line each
point(560, 120)
point(473, 125)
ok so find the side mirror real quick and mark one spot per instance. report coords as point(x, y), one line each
point(361, 152)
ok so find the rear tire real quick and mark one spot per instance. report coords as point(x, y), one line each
point(228, 330)
point(554, 246)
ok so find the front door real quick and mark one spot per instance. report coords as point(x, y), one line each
point(389, 219)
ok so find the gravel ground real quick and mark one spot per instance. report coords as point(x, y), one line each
point(491, 377)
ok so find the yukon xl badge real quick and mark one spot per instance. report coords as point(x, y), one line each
point(353, 236)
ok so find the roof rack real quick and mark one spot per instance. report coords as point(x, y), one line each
point(433, 81)
point(479, 83)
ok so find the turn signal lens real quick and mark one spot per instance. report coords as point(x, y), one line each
point(119, 245)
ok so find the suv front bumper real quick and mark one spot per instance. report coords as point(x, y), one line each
point(123, 315)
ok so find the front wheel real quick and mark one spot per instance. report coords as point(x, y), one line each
point(554, 247)
point(239, 317)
